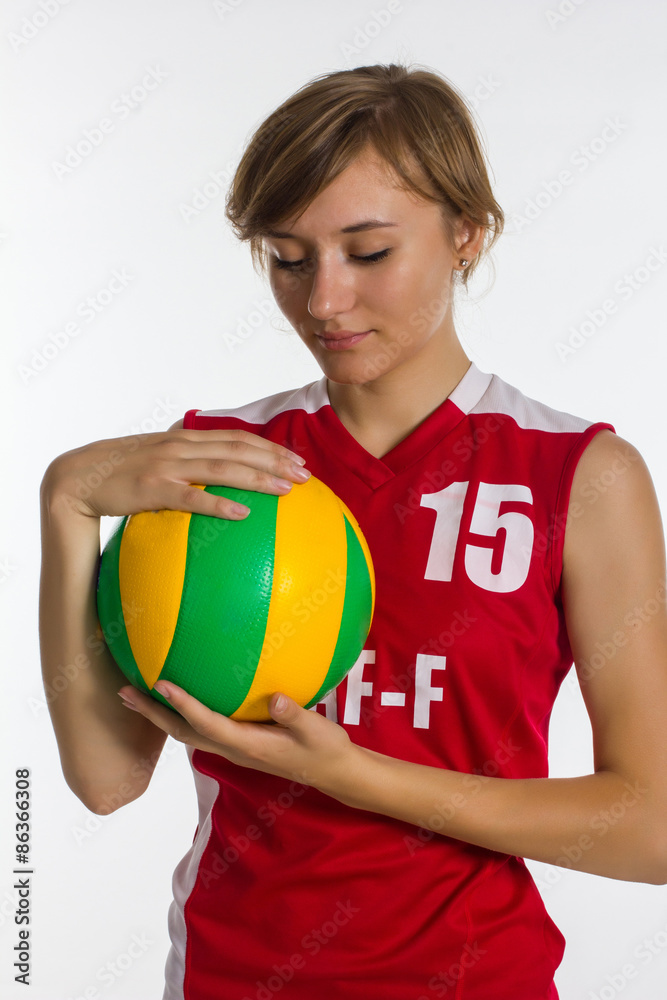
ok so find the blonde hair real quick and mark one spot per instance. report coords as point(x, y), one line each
point(414, 119)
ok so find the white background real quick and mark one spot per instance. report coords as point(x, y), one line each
point(545, 87)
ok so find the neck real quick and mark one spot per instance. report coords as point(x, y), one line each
point(381, 413)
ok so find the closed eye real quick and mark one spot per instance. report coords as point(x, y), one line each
point(295, 265)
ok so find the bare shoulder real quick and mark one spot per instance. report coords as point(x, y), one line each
point(177, 426)
point(612, 479)
point(614, 527)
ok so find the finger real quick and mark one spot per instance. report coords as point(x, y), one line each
point(166, 719)
point(177, 435)
point(213, 726)
point(191, 497)
point(232, 443)
point(246, 469)
point(288, 712)
point(238, 434)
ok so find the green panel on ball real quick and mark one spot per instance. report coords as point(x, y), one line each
point(110, 611)
point(215, 649)
point(356, 619)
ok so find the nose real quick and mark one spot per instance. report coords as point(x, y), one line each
point(332, 290)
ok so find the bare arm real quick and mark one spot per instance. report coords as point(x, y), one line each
point(107, 753)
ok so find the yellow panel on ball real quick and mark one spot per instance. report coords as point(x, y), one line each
point(151, 568)
point(301, 635)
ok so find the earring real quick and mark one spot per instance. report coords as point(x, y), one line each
point(464, 263)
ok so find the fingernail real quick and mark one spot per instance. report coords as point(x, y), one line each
point(301, 474)
point(127, 701)
point(282, 484)
point(298, 459)
point(161, 689)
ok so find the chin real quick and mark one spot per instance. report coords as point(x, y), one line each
point(354, 372)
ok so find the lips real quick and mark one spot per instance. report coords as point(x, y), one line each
point(341, 334)
point(341, 339)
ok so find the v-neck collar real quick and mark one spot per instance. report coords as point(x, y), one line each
point(336, 438)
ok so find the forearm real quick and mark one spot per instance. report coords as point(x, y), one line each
point(99, 741)
point(600, 823)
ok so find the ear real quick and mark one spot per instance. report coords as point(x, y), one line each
point(469, 239)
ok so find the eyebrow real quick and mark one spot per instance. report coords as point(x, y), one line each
point(358, 227)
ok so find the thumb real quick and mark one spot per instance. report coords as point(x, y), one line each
point(284, 709)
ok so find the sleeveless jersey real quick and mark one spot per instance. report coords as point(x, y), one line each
point(286, 891)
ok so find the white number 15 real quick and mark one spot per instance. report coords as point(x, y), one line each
point(486, 520)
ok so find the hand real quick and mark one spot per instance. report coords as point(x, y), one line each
point(119, 476)
point(300, 744)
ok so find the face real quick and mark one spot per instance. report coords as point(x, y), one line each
point(364, 274)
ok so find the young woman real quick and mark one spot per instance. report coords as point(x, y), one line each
point(373, 847)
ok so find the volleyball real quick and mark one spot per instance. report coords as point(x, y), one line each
point(233, 611)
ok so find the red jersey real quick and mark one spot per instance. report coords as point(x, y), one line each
point(287, 891)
